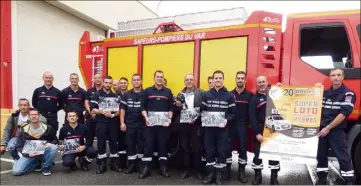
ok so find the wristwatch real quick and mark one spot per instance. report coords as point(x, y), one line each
point(328, 126)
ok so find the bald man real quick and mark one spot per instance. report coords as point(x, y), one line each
point(47, 100)
point(257, 114)
point(90, 117)
point(187, 101)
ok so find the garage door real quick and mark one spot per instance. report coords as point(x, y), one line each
point(47, 40)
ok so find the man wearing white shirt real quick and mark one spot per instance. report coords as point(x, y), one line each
point(188, 101)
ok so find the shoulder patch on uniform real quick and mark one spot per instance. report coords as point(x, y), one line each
point(348, 99)
point(349, 93)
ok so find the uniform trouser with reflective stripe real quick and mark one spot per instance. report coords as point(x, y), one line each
point(216, 143)
point(91, 124)
point(257, 163)
point(191, 145)
point(134, 138)
point(156, 136)
point(122, 146)
point(238, 133)
point(336, 139)
point(107, 130)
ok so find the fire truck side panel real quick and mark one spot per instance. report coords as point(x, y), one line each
point(175, 60)
point(227, 54)
point(122, 62)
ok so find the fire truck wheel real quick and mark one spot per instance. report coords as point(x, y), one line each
point(357, 162)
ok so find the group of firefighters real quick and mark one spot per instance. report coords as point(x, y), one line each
point(124, 119)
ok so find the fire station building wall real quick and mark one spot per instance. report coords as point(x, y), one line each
point(45, 38)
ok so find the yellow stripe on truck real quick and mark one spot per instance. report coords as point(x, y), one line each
point(123, 62)
point(175, 60)
point(228, 55)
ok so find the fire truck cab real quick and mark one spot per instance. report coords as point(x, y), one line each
point(230, 40)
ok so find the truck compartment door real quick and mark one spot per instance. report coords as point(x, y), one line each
point(228, 55)
point(122, 62)
point(175, 60)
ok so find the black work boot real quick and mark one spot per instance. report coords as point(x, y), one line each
point(83, 163)
point(274, 177)
point(257, 178)
point(145, 172)
point(102, 167)
point(115, 165)
point(242, 173)
point(73, 167)
point(227, 173)
point(322, 178)
point(199, 175)
point(131, 168)
point(185, 174)
point(219, 178)
point(139, 165)
point(163, 170)
point(349, 180)
point(122, 161)
point(209, 178)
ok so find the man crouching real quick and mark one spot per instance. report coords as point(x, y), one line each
point(39, 142)
point(73, 144)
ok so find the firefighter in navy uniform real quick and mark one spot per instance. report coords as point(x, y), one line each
point(239, 127)
point(90, 117)
point(132, 123)
point(85, 152)
point(120, 87)
point(257, 114)
point(47, 100)
point(216, 141)
point(73, 98)
point(105, 104)
point(338, 102)
point(157, 99)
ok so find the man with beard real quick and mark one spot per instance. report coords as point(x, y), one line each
point(217, 100)
point(105, 104)
point(190, 99)
point(47, 100)
point(132, 123)
point(120, 87)
point(338, 103)
point(73, 98)
point(257, 114)
point(90, 120)
point(158, 100)
point(76, 133)
point(238, 128)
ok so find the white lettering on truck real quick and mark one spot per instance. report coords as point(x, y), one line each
point(166, 39)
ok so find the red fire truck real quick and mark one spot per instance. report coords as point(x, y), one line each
point(229, 40)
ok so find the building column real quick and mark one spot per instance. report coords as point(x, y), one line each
point(6, 98)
